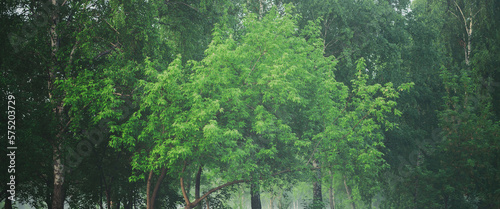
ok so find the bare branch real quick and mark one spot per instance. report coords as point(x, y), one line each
point(460, 9)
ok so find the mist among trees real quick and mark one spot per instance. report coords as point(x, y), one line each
point(125, 104)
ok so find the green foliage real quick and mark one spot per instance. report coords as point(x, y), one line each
point(258, 91)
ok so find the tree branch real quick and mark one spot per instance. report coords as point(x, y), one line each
point(256, 63)
point(178, 2)
point(112, 27)
point(183, 188)
point(72, 52)
point(197, 201)
point(214, 190)
point(114, 46)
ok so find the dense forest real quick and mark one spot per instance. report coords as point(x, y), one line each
point(125, 104)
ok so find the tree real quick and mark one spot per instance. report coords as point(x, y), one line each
point(237, 109)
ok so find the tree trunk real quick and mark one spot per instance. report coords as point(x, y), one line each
point(255, 196)
point(148, 189)
point(157, 187)
point(468, 24)
point(415, 197)
point(261, 9)
point(129, 201)
point(353, 206)
point(115, 200)
point(197, 186)
point(331, 192)
point(108, 199)
point(151, 195)
point(58, 193)
point(317, 196)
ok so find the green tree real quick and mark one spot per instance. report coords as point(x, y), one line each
point(238, 108)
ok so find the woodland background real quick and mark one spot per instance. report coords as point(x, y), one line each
point(252, 103)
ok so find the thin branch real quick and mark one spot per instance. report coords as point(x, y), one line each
point(477, 12)
point(212, 191)
point(454, 14)
point(463, 16)
point(72, 52)
point(256, 63)
point(193, 204)
point(114, 46)
point(120, 94)
point(195, 9)
point(112, 27)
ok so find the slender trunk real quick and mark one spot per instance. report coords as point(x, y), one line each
point(100, 195)
point(415, 197)
point(148, 189)
point(107, 188)
point(114, 199)
point(58, 193)
point(468, 23)
point(317, 196)
point(271, 203)
point(129, 201)
point(353, 206)
point(255, 196)
point(183, 189)
point(261, 9)
point(108, 199)
point(469, 35)
point(331, 192)
point(151, 196)
point(197, 185)
point(469, 47)
point(466, 47)
point(133, 200)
